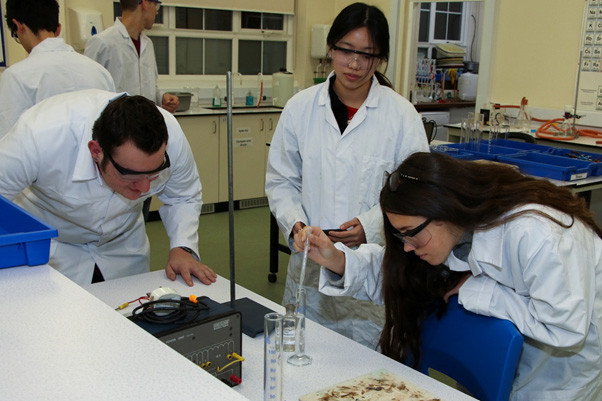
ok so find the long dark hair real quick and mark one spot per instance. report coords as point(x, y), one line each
point(359, 15)
point(470, 196)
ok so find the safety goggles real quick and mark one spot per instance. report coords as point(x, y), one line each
point(416, 237)
point(157, 3)
point(132, 175)
point(348, 56)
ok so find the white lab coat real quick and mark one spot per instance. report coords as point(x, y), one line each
point(48, 169)
point(51, 68)
point(319, 177)
point(544, 278)
point(113, 48)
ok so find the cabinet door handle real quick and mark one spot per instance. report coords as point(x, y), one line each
point(214, 127)
point(271, 124)
point(262, 124)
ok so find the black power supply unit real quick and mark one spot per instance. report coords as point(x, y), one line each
point(206, 332)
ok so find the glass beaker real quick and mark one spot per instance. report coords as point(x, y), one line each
point(299, 358)
point(272, 357)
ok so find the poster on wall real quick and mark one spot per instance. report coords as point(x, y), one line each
point(2, 52)
point(589, 94)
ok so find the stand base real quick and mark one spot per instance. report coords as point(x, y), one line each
point(299, 360)
point(252, 315)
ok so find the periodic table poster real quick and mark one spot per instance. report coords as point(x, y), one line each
point(589, 95)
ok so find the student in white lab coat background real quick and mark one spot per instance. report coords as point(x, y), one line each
point(52, 66)
point(83, 162)
point(128, 53)
point(328, 155)
point(510, 246)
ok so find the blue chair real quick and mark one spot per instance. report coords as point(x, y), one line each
point(479, 352)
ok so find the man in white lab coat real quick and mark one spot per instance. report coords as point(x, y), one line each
point(52, 66)
point(128, 53)
point(84, 161)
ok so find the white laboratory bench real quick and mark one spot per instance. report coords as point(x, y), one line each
point(61, 342)
point(335, 357)
point(583, 143)
point(58, 342)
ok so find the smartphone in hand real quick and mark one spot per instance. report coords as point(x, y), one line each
point(327, 231)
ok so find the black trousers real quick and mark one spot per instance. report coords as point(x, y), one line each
point(97, 275)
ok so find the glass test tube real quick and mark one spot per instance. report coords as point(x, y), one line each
point(299, 358)
point(272, 357)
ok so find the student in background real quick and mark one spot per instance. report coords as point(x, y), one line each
point(510, 246)
point(52, 66)
point(330, 149)
point(128, 53)
point(83, 162)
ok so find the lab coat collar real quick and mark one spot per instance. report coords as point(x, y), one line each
point(85, 168)
point(371, 101)
point(51, 45)
point(487, 248)
point(126, 36)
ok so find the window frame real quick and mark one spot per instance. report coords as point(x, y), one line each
point(467, 10)
point(167, 29)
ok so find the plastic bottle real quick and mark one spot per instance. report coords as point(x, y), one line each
point(217, 96)
point(288, 329)
point(249, 99)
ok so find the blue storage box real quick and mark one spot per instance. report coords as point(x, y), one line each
point(480, 150)
point(549, 166)
point(524, 145)
point(594, 158)
point(24, 239)
point(455, 152)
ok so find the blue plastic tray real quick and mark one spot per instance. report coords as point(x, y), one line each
point(480, 150)
point(594, 158)
point(24, 239)
point(549, 166)
point(524, 145)
point(455, 152)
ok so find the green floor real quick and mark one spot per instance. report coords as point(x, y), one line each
point(251, 237)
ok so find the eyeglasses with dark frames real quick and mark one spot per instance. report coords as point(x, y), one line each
point(417, 237)
point(394, 179)
point(132, 175)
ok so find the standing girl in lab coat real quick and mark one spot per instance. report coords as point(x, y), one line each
point(510, 246)
point(330, 149)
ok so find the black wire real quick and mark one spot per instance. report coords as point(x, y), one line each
point(166, 311)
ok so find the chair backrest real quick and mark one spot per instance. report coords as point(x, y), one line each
point(430, 128)
point(479, 352)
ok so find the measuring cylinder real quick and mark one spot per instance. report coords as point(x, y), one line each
point(272, 357)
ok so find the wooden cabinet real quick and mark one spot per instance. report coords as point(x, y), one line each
point(202, 133)
point(208, 138)
point(250, 132)
point(270, 120)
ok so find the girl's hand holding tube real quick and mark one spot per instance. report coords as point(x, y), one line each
point(321, 249)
